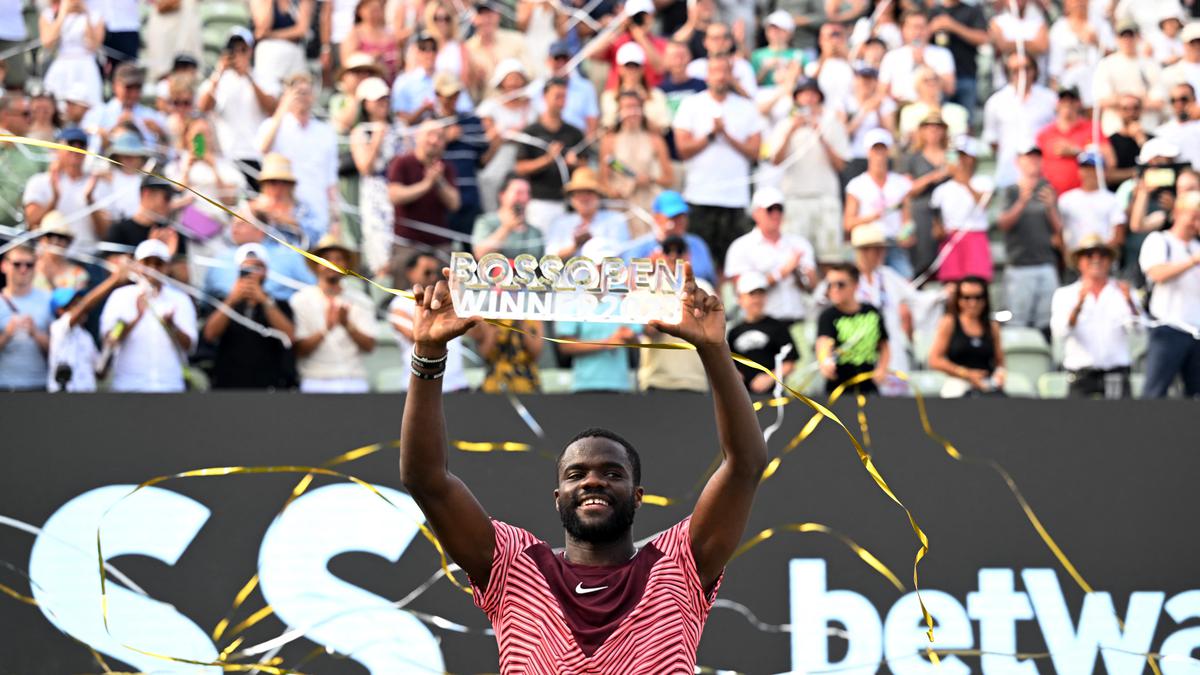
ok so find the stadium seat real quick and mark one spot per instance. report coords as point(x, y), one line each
point(1026, 353)
point(390, 380)
point(1137, 384)
point(1018, 385)
point(556, 380)
point(927, 382)
point(216, 11)
point(1053, 385)
point(921, 342)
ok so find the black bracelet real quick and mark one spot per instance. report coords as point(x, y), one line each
point(429, 363)
point(437, 375)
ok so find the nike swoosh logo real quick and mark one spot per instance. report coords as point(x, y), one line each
point(584, 591)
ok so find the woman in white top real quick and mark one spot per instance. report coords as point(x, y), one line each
point(880, 195)
point(442, 24)
point(506, 111)
point(373, 143)
point(1076, 46)
point(869, 107)
point(77, 34)
point(1027, 28)
point(929, 101)
point(960, 220)
point(173, 27)
point(542, 25)
point(280, 27)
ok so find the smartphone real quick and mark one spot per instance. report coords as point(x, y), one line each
point(1159, 177)
point(199, 145)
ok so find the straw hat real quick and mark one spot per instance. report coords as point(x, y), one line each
point(277, 167)
point(54, 222)
point(870, 234)
point(361, 61)
point(1091, 242)
point(327, 243)
point(584, 178)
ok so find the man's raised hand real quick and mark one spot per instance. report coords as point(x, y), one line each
point(703, 320)
point(434, 320)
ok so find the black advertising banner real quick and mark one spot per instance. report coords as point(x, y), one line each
point(353, 585)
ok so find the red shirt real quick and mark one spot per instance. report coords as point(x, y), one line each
point(1063, 172)
point(428, 208)
point(652, 75)
point(553, 617)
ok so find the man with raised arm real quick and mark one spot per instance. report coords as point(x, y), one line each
point(600, 606)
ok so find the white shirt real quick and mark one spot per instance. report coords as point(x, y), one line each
point(1181, 72)
point(343, 19)
point(871, 120)
point(1072, 63)
point(148, 360)
point(836, 80)
point(1009, 123)
point(743, 72)
point(607, 225)
point(400, 312)
point(752, 252)
point(886, 200)
point(718, 174)
point(12, 22)
point(313, 151)
point(807, 169)
point(126, 194)
point(1019, 29)
point(897, 69)
point(72, 203)
point(1083, 213)
point(74, 347)
point(1185, 136)
point(120, 16)
point(1176, 301)
point(237, 114)
point(337, 356)
point(1100, 337)
point(958, 207)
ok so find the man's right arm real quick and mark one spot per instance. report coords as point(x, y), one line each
point(457, 518)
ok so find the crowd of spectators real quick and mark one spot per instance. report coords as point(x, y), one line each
point(952, 189)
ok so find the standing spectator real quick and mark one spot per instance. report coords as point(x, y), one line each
point(546, 158)
point(441, 24)
point(65, 188)
point(670, 213)
point(1153, 197)
point(718, 134)
point(1126, 71)
point(542, 24)
point(310, 145)
point(510, 356)
point(24, 321)
point(506, 230)
point(173, 29)
point(631, 61)
point(929, 103)
point(413, 95)
point(504, 114)
point(880, 195)
point(344, 108)
point(884, 289)
point(1183, 129)
point(634, 162)
point(760, 336)
point(122, 26)
point(786, 261)
point(636, 24)
point(1013, 115)
point(581, 108)
point(1031, 225)
point(852, 338)
point(1091, 208)
point(152, 325)
point(152, 220)
point(466, 145)
point(424, 269)
point(421, 187)
point(671, 369)
point(832, 70)
point(962, 29)
point(1166, 47)
point(124, 108)
point(569, 232)
point(246, 359)
point(718, 43)
point(602, 365)
point(1187, 69)
point(491, 44)
point(277, 207)
point(54, 268)
point(288, 268)
point(967, 344)
point(77, 33)
point(962, 222)
point(770, 61)
point(1170, 260)
point(700, 16)
point(280, 28)
point(20, 162)
point(1064, 139)
point(1127, 141)
point(239, 103)
point(1016, 32)
point(866, 109)
point(335, 327)
point(75, 106)
point(897, 72)
point(927, 166)
point(676, 84)
point(1094, 316)
point(367, 34)
point(373, 144)
point(811, 147)
point(1076, 45)
point(72, 356)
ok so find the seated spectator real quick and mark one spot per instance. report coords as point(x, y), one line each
point(656, 116)
point(811, 148)
point(371, 35)
point(72, 357)
point(770, 61)
point(424, 269)
point(786, 262)
point(1127, 141)
point(246, 359)
point(66, 188)
point(1064, 139)
point(961, 221)
point(1166, 44)
point(831, 69)
point(927, 166)
point(601, 365)
point(899, 69)
point(505, 230)
point(20, 162)
point(124, 181)
point(718, 43)
point(867, 108)
point(421, 187)
point(151, 325)
point(967, 344)
point(671, 369)
point(1094, 317)
point(153, 221)
point(413, 97)
point(466, 145)
point(569, 232)
point(1091, 208)
point(374, 142)
point(1128, 70)
point(760, 337)
point(510, 356)
point(1031, 225)
point(54, 268)
point(929, 103)
point(670, 213)
point(125, 107)
point(634, 162)
point(335, 327)
point(25, 319)
point(505, 113)
point(1170, 260)
point(491, 44)
point(553, 150)
point(76, 33)
point(852, 337)
point(288, 270)
point(581, 110)
point(880, 195)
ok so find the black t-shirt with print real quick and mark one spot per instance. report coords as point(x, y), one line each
point(548, 183)
point(760, 341)
point(857, 338)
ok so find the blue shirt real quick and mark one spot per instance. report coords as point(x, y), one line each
point(599, 371)
point(582, 101)
point(412, 89)
point(698, 255)
point(22, 363)
point(283, 262)
point(105, 117)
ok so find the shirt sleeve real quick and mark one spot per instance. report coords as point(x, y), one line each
point(883, 334)
point(737, 262)
point(567, 328)
point(115, 310)
point(1060, 311)
point(676, 545)
point(510, 542)
point(1154, 251)
point(185, 318)
point(37, 190)
point(825, 326)
point(363, 317)
point(308, 321)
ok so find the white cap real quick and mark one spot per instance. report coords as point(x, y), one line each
point(77, 93)
point(968, 145)
point(1157, 147)
point(638, 6)
point(631, 52)
point(508, 67)
point(765, 197)
point(252, 250)
point(152, 248)
point(599, 248)
point(748, 282)
point(1190, 32)
point(781, 19)
point(372, 89)
point(878, 136)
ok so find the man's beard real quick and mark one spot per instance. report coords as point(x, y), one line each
point(610, 529)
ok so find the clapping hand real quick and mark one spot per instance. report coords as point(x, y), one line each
point(703, 320)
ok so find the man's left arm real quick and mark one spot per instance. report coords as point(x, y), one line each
point(719, 519)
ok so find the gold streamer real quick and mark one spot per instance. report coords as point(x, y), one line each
point(865, 555)
point(503, 446)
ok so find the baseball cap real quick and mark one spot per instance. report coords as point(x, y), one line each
point(878, 136)
point(1069, 92)
point(485, 6)
point(864, 69)
point(1029, 147)
point(239, 33)
point(372, 89)
point(158, 183)
point(766, 197)
point(77, 93)
point(560, 48)
point(631, 52)
point(1190, 32)
point(151, 248)
point(184, 61)
point(251, 250)
point(968, 145)
point(1157, 147)
point(1126, 25)
point(633, 7)
point(669, 203)
point(1089, 158)
point(748, 282)
point(446, 83)
point(807, 84)
point(781, 19)
point(71, 135)
point(61, 298)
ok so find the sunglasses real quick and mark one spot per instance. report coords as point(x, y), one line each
point(775, 208)
point(1181, 99)
point(426, 47)
point(23, 264)
point(561, 57)
point(971, 298)
point(134, 85)
point(838, 283)
point(441, 18)
point(1096, 253)
point(182, 103)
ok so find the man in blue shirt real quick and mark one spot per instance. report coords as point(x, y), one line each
point(598, 368)
point(413, 95)
point(671, 219)
point(583, 108)
point(288, 270)
point(24, 324)
point(125, 106)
